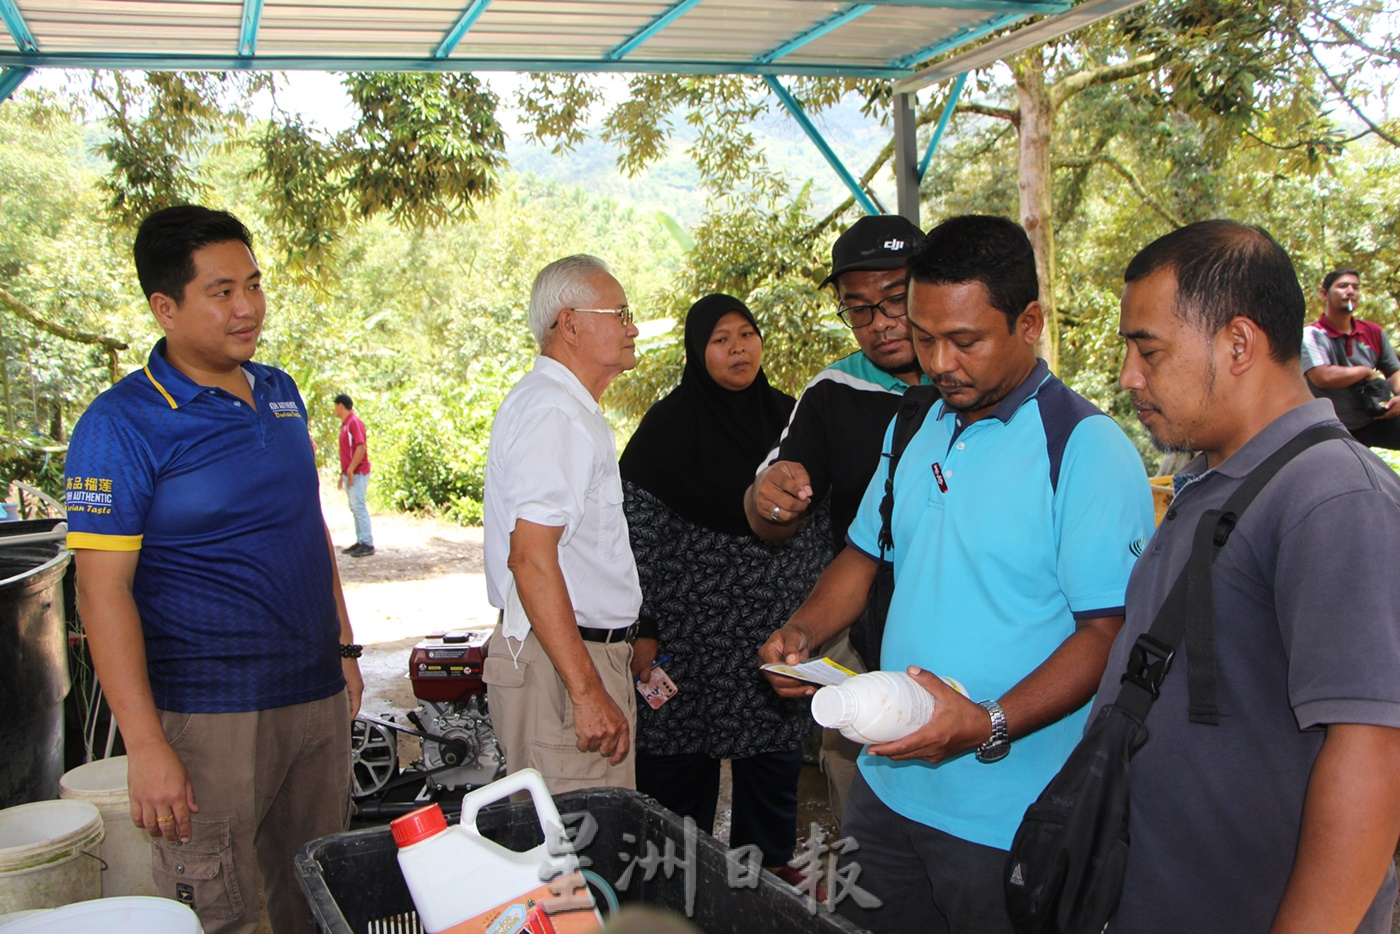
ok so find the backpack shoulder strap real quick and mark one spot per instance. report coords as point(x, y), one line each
point(913, 409)
point(1189, 609)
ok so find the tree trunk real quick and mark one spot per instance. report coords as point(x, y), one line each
point(1037, 207)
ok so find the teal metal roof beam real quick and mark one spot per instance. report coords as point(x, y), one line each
point(815, 135)
point(1090, 11)
point(683, 66)
point(252, 22)
point(10, 79)
point(19, 30)
point(950, 105)
point(459, 29)
point(961, 37)
point(629, 45)
point(852, 12)
point(989, 6)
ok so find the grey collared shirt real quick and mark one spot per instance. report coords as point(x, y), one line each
point(1307, 621)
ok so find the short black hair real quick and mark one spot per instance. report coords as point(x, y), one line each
point(167, 240)
point(994, 251)
point(1336, 274)
point(343, 399)
point(1224, 269)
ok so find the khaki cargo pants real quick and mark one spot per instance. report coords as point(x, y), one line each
point(266, 782)
point(534, 717)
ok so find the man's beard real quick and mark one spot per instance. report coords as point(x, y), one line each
point(903, 369)
point(984, 401)
point(1182, 444)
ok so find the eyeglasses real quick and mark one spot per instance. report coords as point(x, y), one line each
point(858, 316)
point(624, 314)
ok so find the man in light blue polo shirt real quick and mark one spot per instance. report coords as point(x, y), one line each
point(1019, 509)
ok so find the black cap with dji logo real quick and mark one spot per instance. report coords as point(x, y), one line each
point(876, 241)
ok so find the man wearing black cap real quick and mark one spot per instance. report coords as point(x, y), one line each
point(832, 442)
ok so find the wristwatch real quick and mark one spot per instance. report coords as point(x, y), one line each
point(995, 748)
point(351, 651)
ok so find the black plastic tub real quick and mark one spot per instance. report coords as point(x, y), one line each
point(33, 665)
point(353, 883)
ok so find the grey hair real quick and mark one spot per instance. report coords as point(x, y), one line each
point(558, 286)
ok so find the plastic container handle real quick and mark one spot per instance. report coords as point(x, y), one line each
point(556, 850)
point(525, 780)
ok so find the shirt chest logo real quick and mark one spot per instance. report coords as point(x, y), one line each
point(284, 409)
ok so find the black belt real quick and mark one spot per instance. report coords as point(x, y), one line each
point(626, 634)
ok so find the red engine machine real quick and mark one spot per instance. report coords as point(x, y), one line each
point(452, 724)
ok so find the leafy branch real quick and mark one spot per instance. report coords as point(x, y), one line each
point(1079, 162)
point(110, 346)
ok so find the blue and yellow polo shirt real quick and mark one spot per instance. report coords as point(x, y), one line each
point(1006, 531)
point(234, 579)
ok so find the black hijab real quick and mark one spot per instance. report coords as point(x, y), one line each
point(697, 449)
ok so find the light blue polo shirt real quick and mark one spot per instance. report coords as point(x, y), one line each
point(1045, 510)
point(233, 580)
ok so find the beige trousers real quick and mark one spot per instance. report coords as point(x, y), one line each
point(534, 717)
point(838, 755)
point(266, 782)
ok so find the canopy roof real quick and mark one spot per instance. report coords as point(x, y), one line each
point(884, 39)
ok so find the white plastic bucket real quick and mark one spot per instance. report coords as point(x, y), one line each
point(127, 915)
point(126, 848)
point(49, 854)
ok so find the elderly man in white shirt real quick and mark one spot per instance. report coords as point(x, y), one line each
point(558, 562)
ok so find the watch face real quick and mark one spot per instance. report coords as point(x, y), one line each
point(995, 753)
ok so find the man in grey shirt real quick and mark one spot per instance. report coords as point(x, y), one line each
point(1284, 815)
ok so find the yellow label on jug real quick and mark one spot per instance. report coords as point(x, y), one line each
point(563, 906)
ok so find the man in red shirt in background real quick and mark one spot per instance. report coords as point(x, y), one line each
point(354, 474)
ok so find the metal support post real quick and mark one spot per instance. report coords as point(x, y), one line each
point(906, 152)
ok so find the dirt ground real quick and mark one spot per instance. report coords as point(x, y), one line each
point(427, 576)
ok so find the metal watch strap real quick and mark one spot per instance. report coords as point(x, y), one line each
point(998, 745)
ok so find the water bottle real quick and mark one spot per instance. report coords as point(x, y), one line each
point(876, 707)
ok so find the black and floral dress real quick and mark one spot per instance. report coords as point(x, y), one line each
point(714, 599)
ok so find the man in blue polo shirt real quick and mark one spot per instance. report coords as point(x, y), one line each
point(208, 589)
point(1018, 507)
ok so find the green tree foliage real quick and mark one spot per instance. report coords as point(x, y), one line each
point(773, 263)
point(425, 149)
point(60, 273)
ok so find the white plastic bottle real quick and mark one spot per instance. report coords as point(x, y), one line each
point(876, 707)
point(463, 882)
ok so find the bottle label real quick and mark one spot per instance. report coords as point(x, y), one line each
point(564, 906)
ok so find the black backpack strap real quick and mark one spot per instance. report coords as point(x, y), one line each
point(1189, 609)
point(913, 409)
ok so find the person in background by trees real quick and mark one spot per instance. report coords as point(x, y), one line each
point(1342, 353)
point(684, 474)
point(558, 562)
point(1282, 816)
point(831, 445)
point(208, 588)
point(354, 474)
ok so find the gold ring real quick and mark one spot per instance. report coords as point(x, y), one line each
point(167, 819)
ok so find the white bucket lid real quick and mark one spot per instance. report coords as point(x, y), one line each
point(128, 914)
point(103, 778)
point(45, 832)
point(14, 916)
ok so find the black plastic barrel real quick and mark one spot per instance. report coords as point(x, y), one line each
point(33, 664)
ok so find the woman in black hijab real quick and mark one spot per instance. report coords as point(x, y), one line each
point(712, 591)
